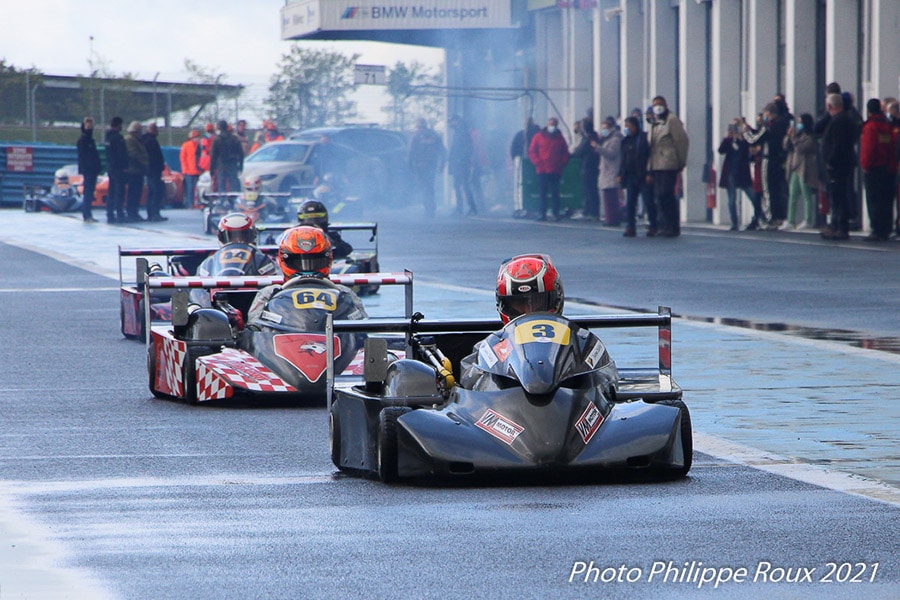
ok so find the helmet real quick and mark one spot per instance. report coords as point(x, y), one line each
point(252, 184)
point(528, 283)
point(237, 228)
point(306, 251)
point(314, 213)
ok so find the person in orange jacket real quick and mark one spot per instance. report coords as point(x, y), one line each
point(190, 169)
point(206, 153)
point(272, 133)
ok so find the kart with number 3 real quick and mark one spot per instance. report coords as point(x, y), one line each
point(541, 396)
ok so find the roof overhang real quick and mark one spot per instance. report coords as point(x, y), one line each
point(377, 19)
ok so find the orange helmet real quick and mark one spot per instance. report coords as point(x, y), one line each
point(528, 283)
point(305, 251)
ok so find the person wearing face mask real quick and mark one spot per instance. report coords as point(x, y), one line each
point(735, 176)
point(632, 172)
point(610, 150)
point(669, 145)
point(549, 153)
point(770, 137)
point(802, 171)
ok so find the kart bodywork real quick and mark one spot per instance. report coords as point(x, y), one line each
point(543, 398)
point(206, 354)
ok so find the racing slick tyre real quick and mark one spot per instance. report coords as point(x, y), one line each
point(190, 378)
point(687, 440)
point(334, 438)
point(386, 446)
point(151, 371)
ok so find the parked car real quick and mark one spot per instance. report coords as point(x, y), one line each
point(370, 163)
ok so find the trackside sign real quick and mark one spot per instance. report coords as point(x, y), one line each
point(19, 159)
point(308, 16)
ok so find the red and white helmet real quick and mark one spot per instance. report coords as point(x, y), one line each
point(237, 228)
point(528, 283)
point(252, 184)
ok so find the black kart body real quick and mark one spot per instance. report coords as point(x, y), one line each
point(541, 396)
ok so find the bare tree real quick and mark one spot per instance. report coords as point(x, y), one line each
point(311, 88)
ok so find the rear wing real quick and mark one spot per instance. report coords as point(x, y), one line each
point(148, 283)
point(271, 232)
point(634, 383)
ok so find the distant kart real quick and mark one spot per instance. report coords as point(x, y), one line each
point(544, 399)
point(265, 207)
point(66, 192)
point(206, 354)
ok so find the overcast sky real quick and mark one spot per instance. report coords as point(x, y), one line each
point(241, 38)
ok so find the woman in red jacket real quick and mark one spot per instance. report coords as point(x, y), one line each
point(549, 153)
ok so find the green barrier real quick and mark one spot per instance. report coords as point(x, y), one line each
point(571, 197)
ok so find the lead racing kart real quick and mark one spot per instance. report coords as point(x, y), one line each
point(541, 396)
point(207, 354)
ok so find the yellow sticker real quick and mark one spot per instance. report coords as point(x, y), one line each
point(234, 256)
point(315, 298)
point(543, 331)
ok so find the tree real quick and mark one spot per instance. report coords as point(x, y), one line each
point(311, 88)
point(15, 92)
point(209, 113)
point(415, 92)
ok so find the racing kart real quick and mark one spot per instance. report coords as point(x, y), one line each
point(261, 207)
point(542, 397)
point(207, 354)
point(65, 194)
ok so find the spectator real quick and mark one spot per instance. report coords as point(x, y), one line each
point(272, 134)
point(610, 150)
point(241, 134)
point(586, 152)
point(206, 150)
point(521, 141)
point(770, 137)
point(138, 163)
point(89, 166)
point(226, 159)
point(427, 157)
point(633, 172)
point(117, 162)
point(156, 189)
point(878, 159)
point(892, 110)
point(736, 175)
point(802, 171)
point(840, 162)
point(669, 145)
point(459, 164)
point(259, 140)
point(549, 153)
point(190, 156)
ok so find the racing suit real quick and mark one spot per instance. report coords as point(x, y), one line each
point(258, 307)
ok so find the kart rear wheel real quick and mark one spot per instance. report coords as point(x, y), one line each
point(386, 446)
point(687, 440)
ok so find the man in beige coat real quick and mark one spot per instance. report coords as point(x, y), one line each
point(668, 155)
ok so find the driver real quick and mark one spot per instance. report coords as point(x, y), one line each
point(236, 231)
point(314, 213)
point(304, 256)
point(526, 284)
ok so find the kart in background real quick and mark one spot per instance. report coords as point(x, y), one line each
point(206, 354)
point(547, 401)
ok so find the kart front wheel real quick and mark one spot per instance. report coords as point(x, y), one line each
point(687, 440)
point(387, 442)
point(334, 438)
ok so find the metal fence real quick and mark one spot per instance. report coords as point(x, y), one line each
point(24, 164)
